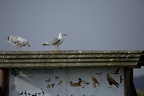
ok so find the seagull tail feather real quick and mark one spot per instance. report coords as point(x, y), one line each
point(46, 44)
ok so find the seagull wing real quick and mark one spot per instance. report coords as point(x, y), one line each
point(53, 41)
point(14, 40)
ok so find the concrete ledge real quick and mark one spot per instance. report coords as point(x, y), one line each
point(71, 58)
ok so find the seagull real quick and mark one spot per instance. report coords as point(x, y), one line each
point(56, 41)
point(18, 41)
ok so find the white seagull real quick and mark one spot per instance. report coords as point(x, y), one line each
point(56, 41)
point(18, 41)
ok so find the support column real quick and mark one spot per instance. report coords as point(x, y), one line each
point(128, 79)
point(2, 82)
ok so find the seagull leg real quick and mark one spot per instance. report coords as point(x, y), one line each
point(17, 47)
point(58, 48)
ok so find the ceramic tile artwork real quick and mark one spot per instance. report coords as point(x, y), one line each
point(67, 82)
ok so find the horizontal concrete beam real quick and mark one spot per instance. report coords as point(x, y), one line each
point(71, 58)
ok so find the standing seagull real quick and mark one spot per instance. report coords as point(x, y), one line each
point(18, 41)
point(56, 41)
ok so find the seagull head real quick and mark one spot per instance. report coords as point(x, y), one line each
point(62, 34)
point(9, 37)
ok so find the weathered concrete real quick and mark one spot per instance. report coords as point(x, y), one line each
point(73, 58)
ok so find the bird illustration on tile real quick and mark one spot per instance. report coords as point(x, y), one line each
point(48, 80)
point(111, 81)
point(95, 81)
point(21, 93)
point(121, 79)
point(116, 71)
point(52, 85)
point(42, 91)
point(60, 83)
point(29, 94)
point(77, 84)
point(25, 93)
point(83, 82)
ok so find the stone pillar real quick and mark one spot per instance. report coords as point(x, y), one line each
point(2, 82)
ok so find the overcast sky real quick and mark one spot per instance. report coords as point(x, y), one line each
point(90, 24)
